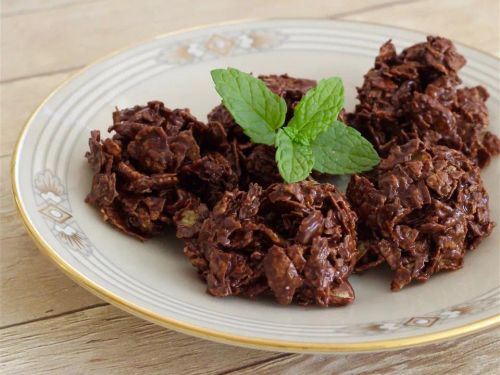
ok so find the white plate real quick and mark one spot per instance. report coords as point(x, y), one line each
point(154, 280)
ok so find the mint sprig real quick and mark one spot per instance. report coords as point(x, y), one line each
point(313, 138)
point(258, 110)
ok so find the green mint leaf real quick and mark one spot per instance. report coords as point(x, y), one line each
point(295, 161)
point(254, 107)
point(317, 110)
point(343, 150)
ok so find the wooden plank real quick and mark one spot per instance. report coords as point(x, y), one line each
point(18, 7)
point(32, 287)
point(104, 340)
point(473, 22)
point(71, 36)
point(19, 99)
point(10, 223)
point(477, 354)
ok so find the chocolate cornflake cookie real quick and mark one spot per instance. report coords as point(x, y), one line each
point(419, 211)
point(294, 241)
point(154, 165)
point(256, 162)
point(416, 94)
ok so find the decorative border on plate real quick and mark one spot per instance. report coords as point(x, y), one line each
point(54, 206)
point(218, 45)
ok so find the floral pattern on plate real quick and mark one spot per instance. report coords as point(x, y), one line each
point(220, 44)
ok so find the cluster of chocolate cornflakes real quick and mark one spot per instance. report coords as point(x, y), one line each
point(419, 211)
point(295, 241)
point(157, 162)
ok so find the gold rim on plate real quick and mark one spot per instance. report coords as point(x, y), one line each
point(132, 308)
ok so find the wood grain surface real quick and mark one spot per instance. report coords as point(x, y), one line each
point(48, 324)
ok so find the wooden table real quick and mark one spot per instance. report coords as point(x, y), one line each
point(50, 325)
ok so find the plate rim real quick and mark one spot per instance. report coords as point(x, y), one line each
point(191, 329)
